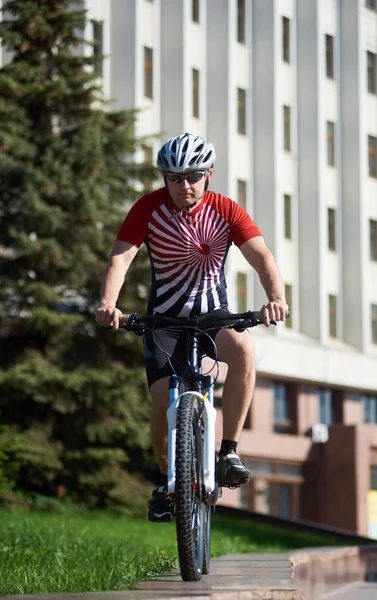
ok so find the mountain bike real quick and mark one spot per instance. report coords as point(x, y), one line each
point(191, 434)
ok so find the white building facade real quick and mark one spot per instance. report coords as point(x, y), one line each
point(286, 90)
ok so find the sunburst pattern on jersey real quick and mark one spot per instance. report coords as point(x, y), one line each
point(188, 254)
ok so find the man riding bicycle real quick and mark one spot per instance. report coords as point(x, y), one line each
point(188, 231)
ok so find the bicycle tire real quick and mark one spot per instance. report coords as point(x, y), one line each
point(190, 507)
point(207, 540)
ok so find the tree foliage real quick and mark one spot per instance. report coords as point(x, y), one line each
point(75, 395)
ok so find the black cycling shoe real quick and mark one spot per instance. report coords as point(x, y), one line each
point(231, 472)
point(161, 506)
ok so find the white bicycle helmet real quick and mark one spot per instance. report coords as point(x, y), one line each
point(186, 152)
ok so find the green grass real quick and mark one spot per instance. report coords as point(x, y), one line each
point(72, 552)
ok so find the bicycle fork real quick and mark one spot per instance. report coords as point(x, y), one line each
point(209, 419)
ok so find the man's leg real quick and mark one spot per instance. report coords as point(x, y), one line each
point(159, 426)
point(237, 350)
point(161, 506)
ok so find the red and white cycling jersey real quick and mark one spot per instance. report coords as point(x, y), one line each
point(187, 250)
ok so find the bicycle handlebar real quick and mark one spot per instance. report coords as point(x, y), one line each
point(137, 323)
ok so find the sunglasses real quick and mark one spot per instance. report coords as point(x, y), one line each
point(193, 177)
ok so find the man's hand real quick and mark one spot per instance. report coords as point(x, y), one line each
point(276, 310)
point(108, 316)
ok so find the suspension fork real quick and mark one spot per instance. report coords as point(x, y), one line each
point(208, 416)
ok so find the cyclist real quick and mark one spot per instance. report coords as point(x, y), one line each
point(188, 231)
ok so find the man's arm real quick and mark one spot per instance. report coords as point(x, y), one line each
point(117, 266)
point(262, 260)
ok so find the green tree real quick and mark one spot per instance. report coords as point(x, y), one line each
point(74, 395)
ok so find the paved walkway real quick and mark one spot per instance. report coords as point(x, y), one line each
point(236, 577)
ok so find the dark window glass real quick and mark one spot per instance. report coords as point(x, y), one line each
point(287, 217)
point(241, 111)
point(288, 299)
point(332, 316)
point(195, 93)
point(372, 155)
point(330, 143)
point(241, 22)
point(195, 11)
point(373, 310)
point(286, 39)
point(148, 72)
point(287, 127)
point(242, 193)
point(371, 4)
point(329, 56)
point(331, 228)
point(98, 47)
point(242, 292)
point(373, 239)
point(372, 72)
point(369, 404)
point(282, 409)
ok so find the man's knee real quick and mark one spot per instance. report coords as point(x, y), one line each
point(236, 348)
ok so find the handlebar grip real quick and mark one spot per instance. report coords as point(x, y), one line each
point(124, 319)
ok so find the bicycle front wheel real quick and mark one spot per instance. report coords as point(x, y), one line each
point(190, 507)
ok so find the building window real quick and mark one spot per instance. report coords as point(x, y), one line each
point(286, 39)
point(288, 298)
point(325, 407)
point(242, 292)
point(147, 154)
point(331, 228)
point(332, 316)
point(372, 154)
point(148, 72)
point(282, 409)
point(195, 11)
point(98, 47)
point(373, 310)
point(241, 22)
point(241, 111)
point(242, 193)
point(287, 217)
point(195, 93)
point(369, 404)
point(329, 56)
point(372, 4)
point(287, 127)
point(330, 143)
point(372, 72)
point(373, 239)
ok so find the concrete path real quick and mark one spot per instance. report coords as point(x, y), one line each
point(236, 577)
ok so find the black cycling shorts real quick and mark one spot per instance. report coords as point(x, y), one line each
point(165, 350)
